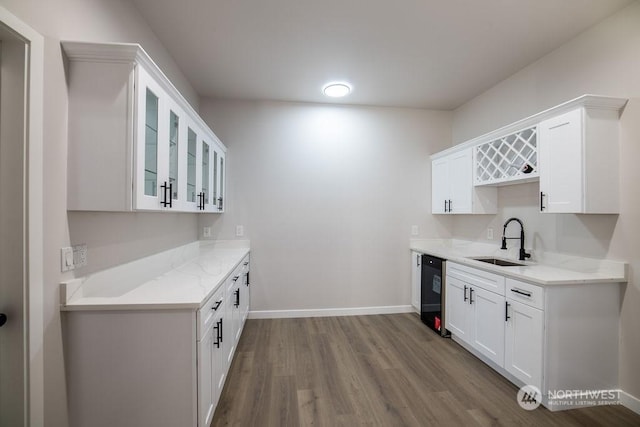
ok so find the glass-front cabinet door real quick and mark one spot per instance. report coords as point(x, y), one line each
point(206, 175)
point(152, 143)
point(192, 169)
point(174, 138)
point(220, 174)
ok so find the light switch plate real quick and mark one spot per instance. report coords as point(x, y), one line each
point(415, 231)
point(206, 232)
point(489, 233)
point(66, 259)
point(239, 230)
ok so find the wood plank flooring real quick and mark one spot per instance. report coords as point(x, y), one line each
point(383, 370)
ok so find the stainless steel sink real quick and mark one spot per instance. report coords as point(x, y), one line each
point(498, 261)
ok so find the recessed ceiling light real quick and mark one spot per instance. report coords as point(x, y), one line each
point(337, 90)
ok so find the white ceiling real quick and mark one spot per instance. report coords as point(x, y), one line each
point(414, 53)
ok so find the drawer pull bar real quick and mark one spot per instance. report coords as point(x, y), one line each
point(217, 306)
point(518, 291)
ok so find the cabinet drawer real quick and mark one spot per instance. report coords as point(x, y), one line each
point(207, 313)
point(526, 293)
point(480, 278)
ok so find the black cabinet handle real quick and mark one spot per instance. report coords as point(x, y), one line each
point(167, 201)
point(445, 205)
point(506, 311)
point(246, 263)
point(201, 201)
point(3, 319)
point(237, 293)
point(248, 277)
point(217, 306)
point(218, 328)
point(450, 210)
point(518, 291)
point(470, 295)
point(219, 203)
point(465, 292)
point(235, 278)
point(541, 204)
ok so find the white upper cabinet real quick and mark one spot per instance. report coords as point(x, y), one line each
point(572, 149)
point(135, 143)
point(579, 161)
point(452, 189)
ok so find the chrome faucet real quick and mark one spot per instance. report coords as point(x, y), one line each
point(523, 254)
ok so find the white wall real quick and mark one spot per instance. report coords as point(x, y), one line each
point(327, 195)
point(114, 238)
point(603, 60)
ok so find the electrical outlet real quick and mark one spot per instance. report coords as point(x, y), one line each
point(66, 259)
point(239, 230)
point(415, 231)
point(206, 232)
point(489, 233)
point(79, 255)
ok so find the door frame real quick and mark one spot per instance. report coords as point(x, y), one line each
point(33, 200)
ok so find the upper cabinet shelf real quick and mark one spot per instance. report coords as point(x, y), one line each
point(135, 143)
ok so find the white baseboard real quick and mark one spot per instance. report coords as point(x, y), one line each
point(326, 312)
point(630, 402)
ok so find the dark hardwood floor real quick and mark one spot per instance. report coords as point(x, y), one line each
point(383, 370)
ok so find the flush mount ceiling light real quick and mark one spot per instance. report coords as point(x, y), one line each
point(337, 90)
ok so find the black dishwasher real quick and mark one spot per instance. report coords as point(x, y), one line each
point(432, 294)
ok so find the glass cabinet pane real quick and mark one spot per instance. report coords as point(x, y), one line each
point(174, 123)
point(191, 166)
point(205, 171)
point(221, 181)
point(215, 177)
point(151, 146)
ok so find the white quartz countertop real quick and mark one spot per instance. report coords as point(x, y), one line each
point(543, 268)
point(180, 278)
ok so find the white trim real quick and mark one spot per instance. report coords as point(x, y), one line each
point(328, 312)
point(34, 217)
point(588, 101)
point(630, 402)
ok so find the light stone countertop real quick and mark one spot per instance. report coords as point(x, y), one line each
point(180, 278)
point(542, 269)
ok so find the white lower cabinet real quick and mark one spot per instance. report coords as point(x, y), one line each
point(155, 367)
point(245, 301)
point(206, 387)
point(416, 278)
point(487, 329)
point(457, 303)
point(523, 342)
point(474, 314)
point(212, 365)
point(557, 337)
